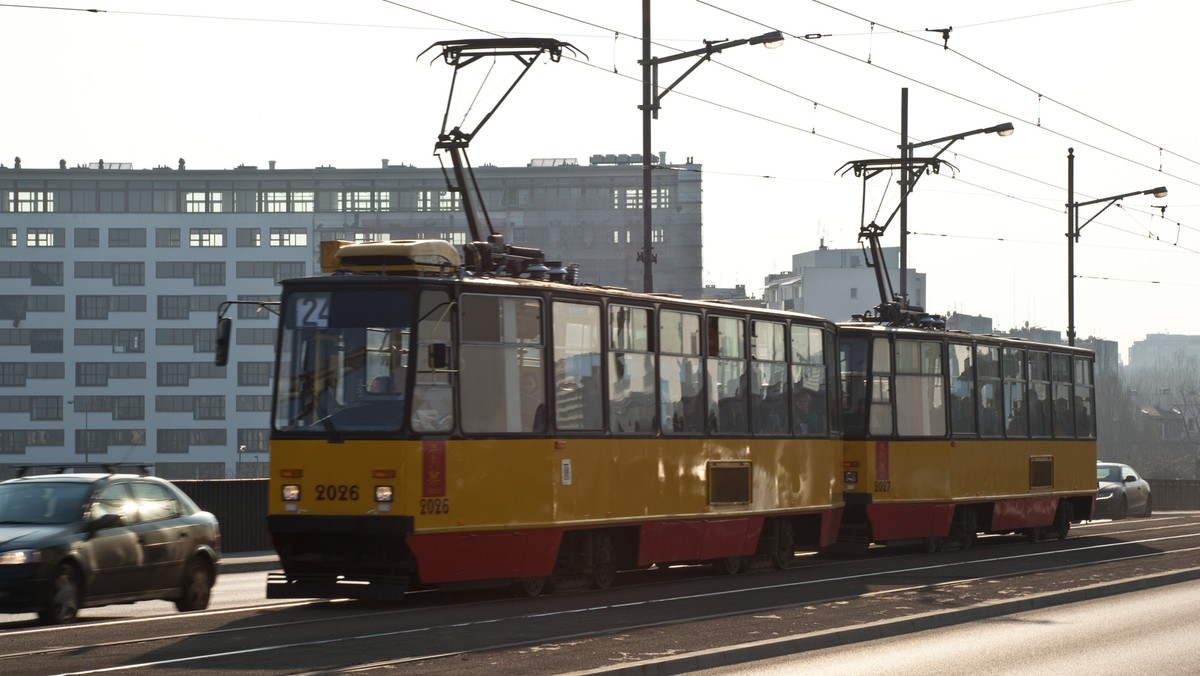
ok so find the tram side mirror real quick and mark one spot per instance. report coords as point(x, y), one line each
point(439, 356)
point(224, 327)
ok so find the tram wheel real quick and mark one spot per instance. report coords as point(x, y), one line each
point(967, 528)
point(1036, 534)
point(1062, 520)
point(933, 544)
point(785, 544)
point(604, 561)
point(732, 565)
point(531, 586)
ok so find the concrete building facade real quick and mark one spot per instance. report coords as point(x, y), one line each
point(112, 277)
point(837, 283)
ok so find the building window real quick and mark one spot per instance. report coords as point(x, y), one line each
point(302, 201)
point(91, 374)
point(87, 238)
point(167, 237)
point(209, 274)
point(174, 307)
point(354, 201)
point(129, 274)
point(129, 408)
point(31, 201)
point(126, 237)
point(251, 373)
point(8, 237)
point(249, 237)
point(209, 408)
point(206, 237)
point(288, 237)
point(91, 307)
point(173, 374)
point(43, 237)
point(273, 202)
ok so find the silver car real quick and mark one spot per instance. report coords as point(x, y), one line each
point(1122, 492)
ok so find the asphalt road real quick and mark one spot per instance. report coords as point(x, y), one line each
point(650, 622)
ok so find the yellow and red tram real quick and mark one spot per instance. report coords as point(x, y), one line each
point(948, 434)
point(432, 427)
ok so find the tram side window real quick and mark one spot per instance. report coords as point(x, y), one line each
point(501, 365)
point(810, 391)
point(630, 370)
point(1015, 413)
point(1039, 394)
point(920, 391)
point(679, 373)
point(1062, 415)
point(962, 390)
point(881, 388)
point(852, 369)
point(727, 391)
point(1084, 400)
point(987, 367)
point(433, 394)
point(768, 378)
point(577, 336)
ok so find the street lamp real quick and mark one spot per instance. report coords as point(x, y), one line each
point(908, 177)
point(911, 169)
point(650, 105)
point(1074, 228)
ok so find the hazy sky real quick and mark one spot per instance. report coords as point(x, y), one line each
point(340, 83)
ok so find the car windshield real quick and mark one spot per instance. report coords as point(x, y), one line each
point(1108, 473)
point(42, 502)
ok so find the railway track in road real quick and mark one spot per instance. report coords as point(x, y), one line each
point(687, 615)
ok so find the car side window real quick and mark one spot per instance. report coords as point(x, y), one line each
point(115, 499)
point(154, 501)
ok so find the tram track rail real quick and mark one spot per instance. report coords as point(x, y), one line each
point(434, 635)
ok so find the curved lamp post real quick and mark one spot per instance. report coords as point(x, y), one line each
point(651, 97)
point(1074, 228)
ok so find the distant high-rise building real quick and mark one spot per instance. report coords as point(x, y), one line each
point(113, 276)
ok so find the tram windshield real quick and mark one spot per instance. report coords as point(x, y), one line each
point(343, 359)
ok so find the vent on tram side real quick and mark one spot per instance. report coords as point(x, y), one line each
point(729, 483)
point(1041, 471)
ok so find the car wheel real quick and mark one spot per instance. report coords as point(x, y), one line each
point(1123, 509)
point(196, 588)
point(1149, 507)
point(62, 602)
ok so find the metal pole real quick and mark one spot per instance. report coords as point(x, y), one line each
point(905, 157)
point(1072, 235)
point(647, 112)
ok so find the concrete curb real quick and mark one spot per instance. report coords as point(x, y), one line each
point(788, 645)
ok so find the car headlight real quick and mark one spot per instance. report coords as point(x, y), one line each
point(1106, 492)
point(19, 557)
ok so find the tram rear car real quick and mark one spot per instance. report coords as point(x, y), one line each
point(949, 434)
point(431, 428)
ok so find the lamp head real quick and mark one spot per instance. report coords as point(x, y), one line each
point(1159, 192)
point(1005, 129)
point(770, 40)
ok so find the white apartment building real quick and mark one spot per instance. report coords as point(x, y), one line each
point(837, 283)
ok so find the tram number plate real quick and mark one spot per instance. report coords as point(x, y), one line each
point(883, 486)
point(336, 492)
point(435, 505)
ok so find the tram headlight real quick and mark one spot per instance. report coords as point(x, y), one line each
point(383, 493)
point(291, 492)
point(850, 477)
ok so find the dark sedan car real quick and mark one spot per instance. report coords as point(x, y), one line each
point(69, 541)
point(1122, 492)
